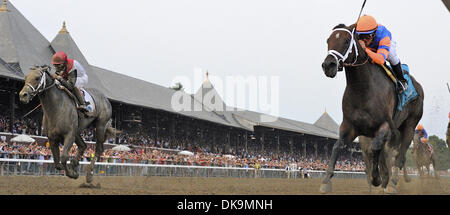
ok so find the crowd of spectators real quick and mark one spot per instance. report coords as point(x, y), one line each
point(161, 156)
point(20, 126)
point(145, 149)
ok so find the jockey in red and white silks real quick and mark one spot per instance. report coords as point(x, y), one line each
point(82, 78)
point(71, 74)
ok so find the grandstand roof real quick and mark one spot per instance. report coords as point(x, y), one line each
point(283, 123)
point(21, 43)
point(142, 93)
point(208, 96)
point(211, 101)
point(8, 72)
point(326, 122)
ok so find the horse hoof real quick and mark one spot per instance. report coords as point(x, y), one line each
point(90, 185)
point(390, 190)
point(376, 181)
point(325, 188)
point(73, 175)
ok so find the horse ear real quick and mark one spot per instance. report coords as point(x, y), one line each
point(340, 26)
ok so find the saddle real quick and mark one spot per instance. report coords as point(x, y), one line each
point(410, 94)
point(89, 102)
point(428, 148)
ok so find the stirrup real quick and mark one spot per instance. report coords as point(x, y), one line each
point(83, 108)
point(402, 87)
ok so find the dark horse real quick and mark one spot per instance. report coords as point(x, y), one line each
point(63, 123)
point(369, 106)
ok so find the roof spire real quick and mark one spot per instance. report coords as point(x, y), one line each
point(325, 109)
point(3, 7)
point(63, 29)
point(207, 75)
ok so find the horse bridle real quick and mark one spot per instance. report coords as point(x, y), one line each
point(340, 59)
point(42, 83)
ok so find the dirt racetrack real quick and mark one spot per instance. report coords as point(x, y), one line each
point(60, 185)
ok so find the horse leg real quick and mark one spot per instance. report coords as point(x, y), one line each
point(54, 147)
point(407, 137)
point(433, 160)
point(346, 136)
point(385, 168)
point(100, 132)
point(365, 144)
point(68, 143)
point(383, 134)
point(81, 148)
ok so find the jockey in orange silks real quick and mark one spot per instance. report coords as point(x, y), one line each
point(377, 41)
point(423, 136)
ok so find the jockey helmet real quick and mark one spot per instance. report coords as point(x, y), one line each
point(366, 25)
point(420, 127)
point(59, 58)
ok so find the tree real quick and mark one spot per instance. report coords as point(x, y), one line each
point(441, 151)
point(178, 87)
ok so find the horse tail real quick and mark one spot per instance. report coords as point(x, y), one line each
point(110, 131)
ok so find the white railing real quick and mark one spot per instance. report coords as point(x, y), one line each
point(46, 167)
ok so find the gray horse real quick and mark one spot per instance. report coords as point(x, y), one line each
point(63, 123)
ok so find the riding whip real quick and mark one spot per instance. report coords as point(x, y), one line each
point(364, 3)
point(31, 111)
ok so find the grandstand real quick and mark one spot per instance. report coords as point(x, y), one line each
point(144, 109)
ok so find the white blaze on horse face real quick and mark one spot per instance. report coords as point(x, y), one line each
point(337, 36)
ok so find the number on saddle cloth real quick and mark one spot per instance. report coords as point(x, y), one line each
point(89, 100)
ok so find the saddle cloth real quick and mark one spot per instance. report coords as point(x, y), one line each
point(89, 101)
point(410, 94)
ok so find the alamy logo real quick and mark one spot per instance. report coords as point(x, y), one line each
point(256, 93)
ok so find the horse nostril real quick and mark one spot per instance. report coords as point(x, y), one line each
point(332, 64)
point(23, 95)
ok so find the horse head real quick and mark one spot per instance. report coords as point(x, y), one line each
point(35, 83)
point(343, 50)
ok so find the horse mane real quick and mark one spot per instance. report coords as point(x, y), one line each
point(37, 67)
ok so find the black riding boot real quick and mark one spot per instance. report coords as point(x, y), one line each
point(402, 82)
point(80, 98)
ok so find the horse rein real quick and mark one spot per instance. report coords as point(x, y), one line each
point(342, 58)
point(42, 83)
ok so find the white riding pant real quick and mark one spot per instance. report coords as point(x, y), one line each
point(81, 82)
point(392, 57)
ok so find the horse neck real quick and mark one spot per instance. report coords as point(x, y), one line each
point(359, 79)
point(51, 100)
